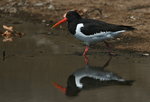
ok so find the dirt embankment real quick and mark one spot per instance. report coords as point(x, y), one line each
point(126, 12)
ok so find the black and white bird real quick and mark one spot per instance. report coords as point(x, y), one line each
point(91, 31)
point(90, 77)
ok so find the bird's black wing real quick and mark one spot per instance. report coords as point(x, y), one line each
point(94, 26)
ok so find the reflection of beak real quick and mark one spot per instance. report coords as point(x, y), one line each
point(61, 21)
point(59, 87)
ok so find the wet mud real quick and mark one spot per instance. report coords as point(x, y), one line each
point(43, 56)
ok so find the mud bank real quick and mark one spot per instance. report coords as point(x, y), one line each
point(133, 13)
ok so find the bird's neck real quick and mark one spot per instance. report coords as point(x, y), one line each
point(72, 24)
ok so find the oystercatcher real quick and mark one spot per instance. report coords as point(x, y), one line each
point(90, 77)
point(89, 30)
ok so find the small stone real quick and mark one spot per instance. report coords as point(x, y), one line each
point(1, 8)
point(60, 26)
point(12, 10)
point(39, 4)
point(118, 39)
point(50, 0)
point(20, 4)
point(43, 21)
point(47, 24)
point(84, 10)
point(145, 54)
point(49, 33)
point(51, 7)
point(132, 17)
point(10, 0)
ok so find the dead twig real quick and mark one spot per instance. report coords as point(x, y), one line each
point(138, 7)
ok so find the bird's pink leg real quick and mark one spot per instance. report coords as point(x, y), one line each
point(110, 49)
point(86, 60)
point(86, 50)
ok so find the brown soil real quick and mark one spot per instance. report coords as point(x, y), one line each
point(135, 13)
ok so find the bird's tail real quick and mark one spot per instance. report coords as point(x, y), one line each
point(126, 82)
point(129, 28)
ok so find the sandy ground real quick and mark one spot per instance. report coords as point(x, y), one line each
point(126, 12)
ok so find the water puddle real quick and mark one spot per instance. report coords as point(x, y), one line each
point(41, 67)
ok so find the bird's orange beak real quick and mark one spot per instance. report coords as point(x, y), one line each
point(58, 23)
point(59, 87)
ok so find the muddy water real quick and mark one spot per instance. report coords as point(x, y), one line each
point(43, 56)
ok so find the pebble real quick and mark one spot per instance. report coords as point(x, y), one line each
point(43, 21)
point(145, 54)
point(10, 0)
point(1, 8)
point(51, 7)
point(47, 24)
point(39, 4)
point(118, 39)
point(11, 10)
point(49, 33)
point(132, 17)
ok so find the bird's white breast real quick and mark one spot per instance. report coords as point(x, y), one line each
point(78, 33)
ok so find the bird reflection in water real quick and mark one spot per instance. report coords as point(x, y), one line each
point(90, 77)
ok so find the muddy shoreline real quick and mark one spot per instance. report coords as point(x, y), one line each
point(136, 15)
point(74, 48)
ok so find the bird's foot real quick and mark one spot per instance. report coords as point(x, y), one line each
point(86, 60)
point(113, 54)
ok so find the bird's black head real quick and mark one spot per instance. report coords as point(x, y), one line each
point(72, 15)
point(72, 89)
point(69, 16)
